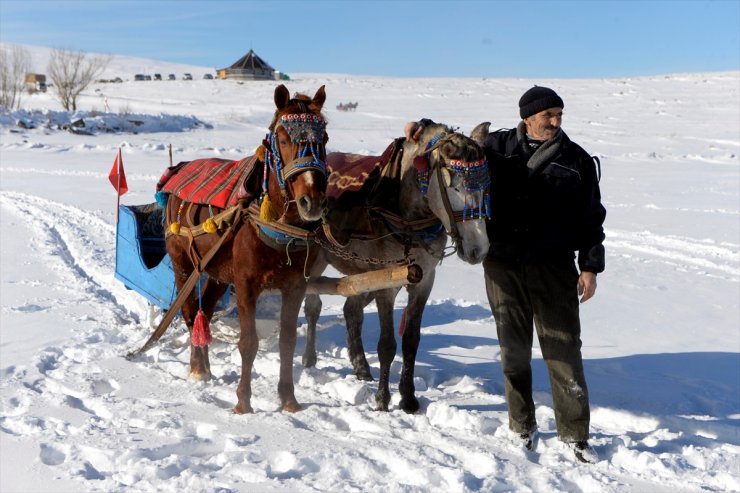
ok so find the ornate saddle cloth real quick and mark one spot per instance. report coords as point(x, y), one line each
point(213, 181)
point(349, 172)
point(358, 183)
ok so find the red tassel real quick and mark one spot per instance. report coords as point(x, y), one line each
point(402, 326)
point(201, 330)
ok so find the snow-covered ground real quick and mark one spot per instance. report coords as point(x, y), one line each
point(661, 337)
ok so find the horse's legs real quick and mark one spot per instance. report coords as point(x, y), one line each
point(200, 366)
point(312, 309)
point(386, 345)
point(353, 317)
point(246, 302)
point(418, 296)
point(292, 298)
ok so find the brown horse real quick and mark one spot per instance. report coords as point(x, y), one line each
point(261, 254)
point(428, 190)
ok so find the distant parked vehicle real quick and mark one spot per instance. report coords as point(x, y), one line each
point(147, 77)
point(171, 77)
point(187, 76)
point(157, 76)
point(208, 76)
point(139, 77)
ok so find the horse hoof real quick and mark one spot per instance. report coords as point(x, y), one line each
point(291, 407)
point(199, 376)
point(309, 361)
point(382, 404)
point(240, 409)
point(364, 375)
point(410, 405)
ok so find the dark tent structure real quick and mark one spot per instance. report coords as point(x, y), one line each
point(248, 67)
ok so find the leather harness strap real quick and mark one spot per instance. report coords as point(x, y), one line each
point(187, 288)
point(454, 234)
point(222, 220)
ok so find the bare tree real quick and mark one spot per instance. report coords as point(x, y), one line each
point(14, 63)
point(72, 72)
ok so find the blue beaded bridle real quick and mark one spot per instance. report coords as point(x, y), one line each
point(307, 130)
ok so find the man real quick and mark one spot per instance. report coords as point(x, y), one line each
point(545, 205)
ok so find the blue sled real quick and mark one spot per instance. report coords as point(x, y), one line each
point(142, 263)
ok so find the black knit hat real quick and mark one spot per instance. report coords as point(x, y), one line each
point(538, 99)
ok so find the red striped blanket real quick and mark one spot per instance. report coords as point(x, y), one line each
point(211, 181)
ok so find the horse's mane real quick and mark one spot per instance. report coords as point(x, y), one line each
point(300, 101)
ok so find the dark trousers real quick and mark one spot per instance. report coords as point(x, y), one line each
point(546, 294)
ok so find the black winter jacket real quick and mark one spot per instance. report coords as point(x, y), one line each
point(546, 216)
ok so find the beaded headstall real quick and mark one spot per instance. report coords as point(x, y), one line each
point(476, 181)
point(309, 131)
point(475, 176)
point(304, 127)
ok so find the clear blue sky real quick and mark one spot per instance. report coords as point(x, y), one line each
point(475, 38)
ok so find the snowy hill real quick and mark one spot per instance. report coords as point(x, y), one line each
point(661, 337)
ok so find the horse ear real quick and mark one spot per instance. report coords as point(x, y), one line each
point(319, 98)
point(480, 132)
point(282, 96)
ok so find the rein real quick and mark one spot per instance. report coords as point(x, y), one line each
point(454, 232)
point(433, 145)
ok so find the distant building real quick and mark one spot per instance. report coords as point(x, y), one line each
point(35, 83)
point(248, 67)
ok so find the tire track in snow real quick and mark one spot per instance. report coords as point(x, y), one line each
point(702, 256)
point(81, 240)
point(76, 173)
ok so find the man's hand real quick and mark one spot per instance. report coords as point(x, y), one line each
point(586, 285)
point(413, 131)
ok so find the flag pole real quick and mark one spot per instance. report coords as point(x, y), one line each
point(118, 187)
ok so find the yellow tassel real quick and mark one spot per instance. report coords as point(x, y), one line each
point(260, 152)
point(209, 226)
point(266, 209)
point(175, 228)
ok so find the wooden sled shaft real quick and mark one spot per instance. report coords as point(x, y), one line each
point(392, 277)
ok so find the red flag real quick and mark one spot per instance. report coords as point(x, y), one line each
point(117, 177)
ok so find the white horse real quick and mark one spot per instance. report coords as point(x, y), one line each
point(404, 211)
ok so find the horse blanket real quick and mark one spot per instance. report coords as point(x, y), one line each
point(356, 185)
point(349, 172)
point(212, 181)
